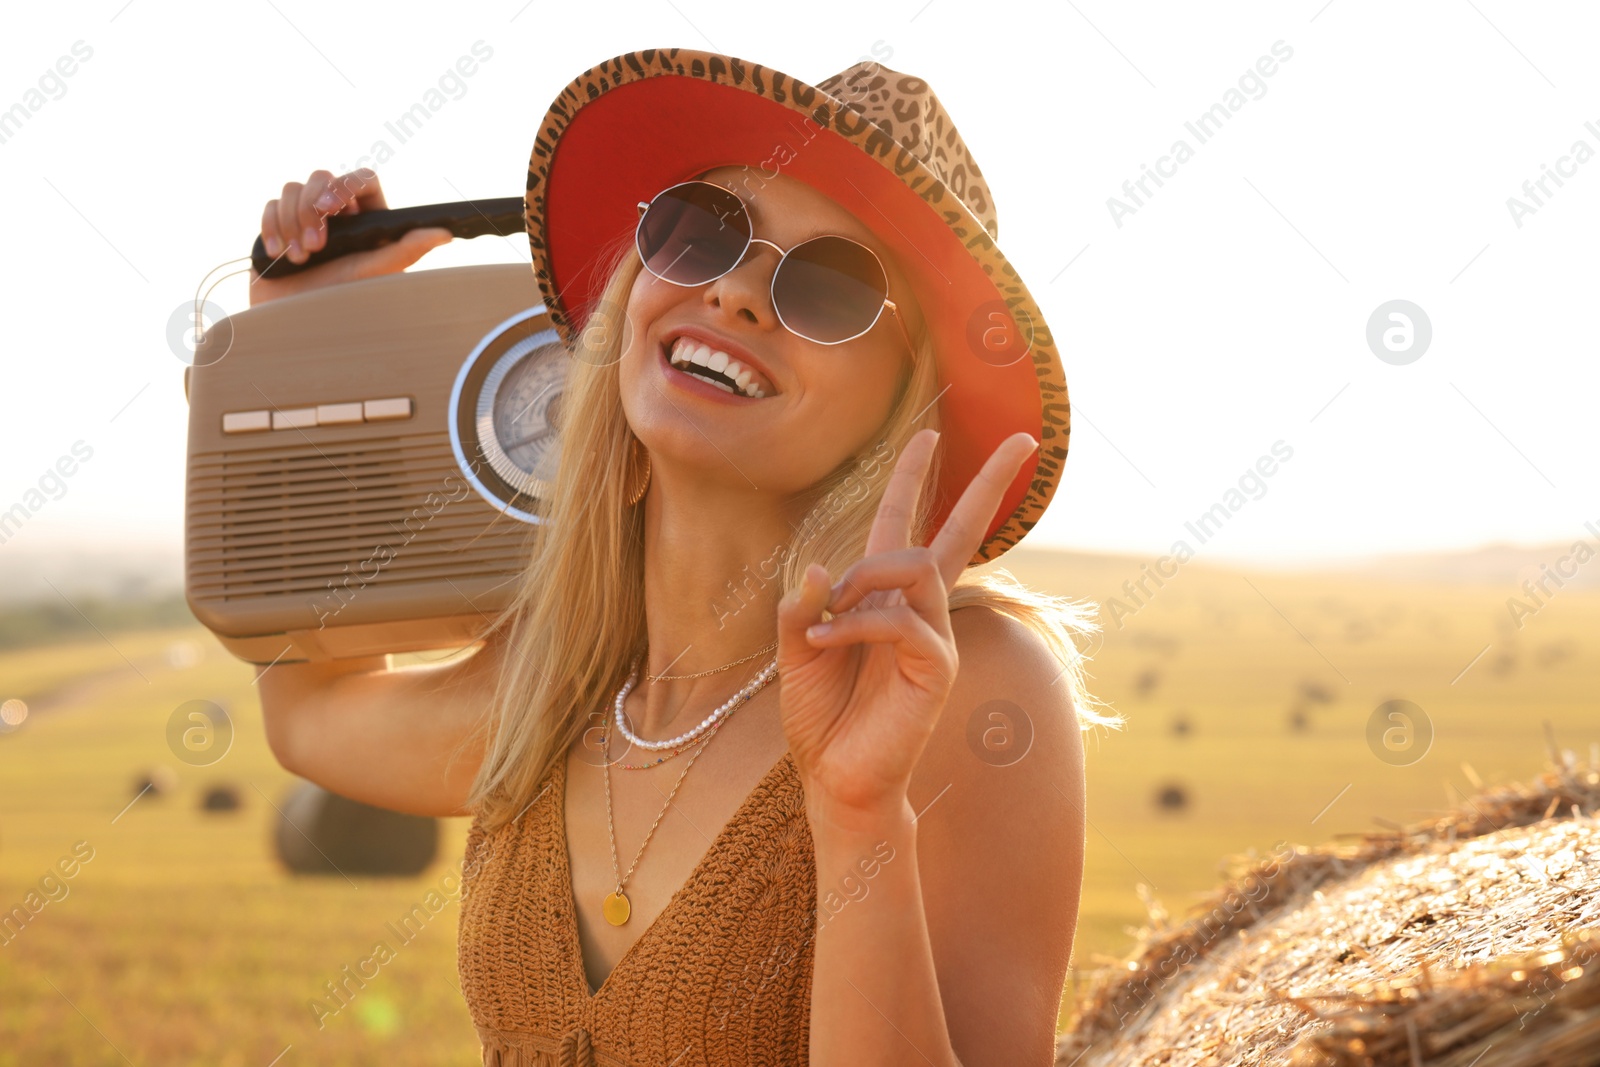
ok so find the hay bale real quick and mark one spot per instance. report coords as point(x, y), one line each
point(220, 797)
point(156, 782)
point(1172, 796)
point(1315, 692)
point(1470, 939)
point(1552, 652)
point(319, 832)
point(1146, 641)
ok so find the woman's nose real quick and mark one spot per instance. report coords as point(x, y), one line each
point(746, 290)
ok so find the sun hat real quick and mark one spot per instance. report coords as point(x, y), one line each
point(882, 146)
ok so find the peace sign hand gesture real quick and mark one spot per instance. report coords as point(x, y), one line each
point(860, 694)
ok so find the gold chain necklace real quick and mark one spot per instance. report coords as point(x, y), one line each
point(715, 670)
point(616, 907)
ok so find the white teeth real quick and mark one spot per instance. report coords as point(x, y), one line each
point(687, 352)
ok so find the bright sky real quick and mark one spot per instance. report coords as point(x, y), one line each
point(1227, 313)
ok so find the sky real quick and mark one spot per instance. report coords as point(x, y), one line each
point(1234, 311)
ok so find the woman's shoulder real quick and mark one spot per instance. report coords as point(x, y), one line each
point(994, 641)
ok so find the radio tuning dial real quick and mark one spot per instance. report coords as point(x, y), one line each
point(505, 414)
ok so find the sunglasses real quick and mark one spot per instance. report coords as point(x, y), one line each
point(828, 289)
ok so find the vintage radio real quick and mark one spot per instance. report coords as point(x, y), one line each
point(366, 460)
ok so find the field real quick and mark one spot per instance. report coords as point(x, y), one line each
point(1247, 697)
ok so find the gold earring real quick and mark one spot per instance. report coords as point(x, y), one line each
point(643, 480)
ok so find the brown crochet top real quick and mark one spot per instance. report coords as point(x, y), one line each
point(721, 978)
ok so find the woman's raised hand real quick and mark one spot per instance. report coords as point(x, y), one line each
point(294, 226)
point(860, 694)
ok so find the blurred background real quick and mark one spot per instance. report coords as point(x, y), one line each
point(1376, 273)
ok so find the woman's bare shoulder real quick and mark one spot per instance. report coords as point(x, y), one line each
point(1010, 704)
point(994, 644)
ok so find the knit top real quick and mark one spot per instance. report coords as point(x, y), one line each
point(721, 978)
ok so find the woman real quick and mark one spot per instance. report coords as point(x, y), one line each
point(756, 532)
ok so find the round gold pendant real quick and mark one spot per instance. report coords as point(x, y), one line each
point(616, 908)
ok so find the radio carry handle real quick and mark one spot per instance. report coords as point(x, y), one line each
point(374, 229)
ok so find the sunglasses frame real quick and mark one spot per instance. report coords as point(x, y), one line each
point(783, 254)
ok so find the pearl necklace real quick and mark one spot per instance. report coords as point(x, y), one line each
point(750, 689)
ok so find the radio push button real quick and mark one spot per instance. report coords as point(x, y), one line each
point(246, 421)
point(294, 418)
point(336, 414)
point(393, 408)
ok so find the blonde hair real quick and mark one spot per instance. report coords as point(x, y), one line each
point(577, 619)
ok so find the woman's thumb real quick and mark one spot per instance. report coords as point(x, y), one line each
point(399, 255)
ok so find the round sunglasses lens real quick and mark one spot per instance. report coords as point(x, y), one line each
point(692, 233)
point(829, 289)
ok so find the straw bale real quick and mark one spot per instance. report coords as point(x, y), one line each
point(1469, 940)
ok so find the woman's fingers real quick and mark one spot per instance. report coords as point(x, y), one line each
point(295, 223)
point(912, 571)
point(963, 530)
point(360, 190)
point(285, 226)
point(313, 229)
point(900, 624)
point(271, 240)
point(800, 608)
point(395, 256)
point(891, 527)
point(347, 194)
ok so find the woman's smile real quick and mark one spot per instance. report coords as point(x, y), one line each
point(698, 360)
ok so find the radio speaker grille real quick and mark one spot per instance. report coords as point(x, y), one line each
point(301, 517)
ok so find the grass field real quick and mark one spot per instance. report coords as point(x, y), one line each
point(181, 941)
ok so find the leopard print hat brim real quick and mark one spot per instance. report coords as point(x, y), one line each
point(880, 144)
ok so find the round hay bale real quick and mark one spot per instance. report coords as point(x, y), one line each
point(220, 797)
point(1469, 939)
point(155, 782)
point(319, 832)
point(1552, 652)
point(1173, 796)
point(1316, 692)
point(1181, 726)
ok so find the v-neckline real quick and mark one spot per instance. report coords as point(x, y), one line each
point(570, 918)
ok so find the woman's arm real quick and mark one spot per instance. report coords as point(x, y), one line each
point(946, 928)
point(385, 737)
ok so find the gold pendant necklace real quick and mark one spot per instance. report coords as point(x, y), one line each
point(616, 907)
